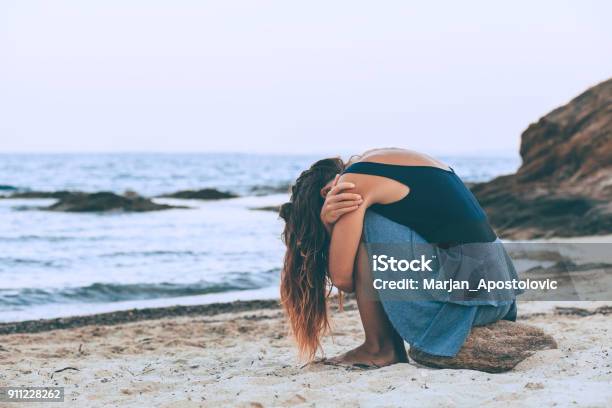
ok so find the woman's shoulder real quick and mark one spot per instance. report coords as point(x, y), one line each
point(398, 157)
point(375, 187)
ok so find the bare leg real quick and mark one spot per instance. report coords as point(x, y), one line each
point(383, 345)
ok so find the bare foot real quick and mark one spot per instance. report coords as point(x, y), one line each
point(364, 356)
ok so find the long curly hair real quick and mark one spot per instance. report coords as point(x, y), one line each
point(305, 284)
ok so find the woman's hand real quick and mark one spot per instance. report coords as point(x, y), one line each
point(337, 203)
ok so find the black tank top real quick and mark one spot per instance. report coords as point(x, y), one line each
point(439, 207)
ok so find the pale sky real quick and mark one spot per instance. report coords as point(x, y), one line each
point(461, 77)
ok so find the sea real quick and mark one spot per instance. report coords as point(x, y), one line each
point(55, 264)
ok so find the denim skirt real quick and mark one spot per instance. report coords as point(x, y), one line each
point(432, 326)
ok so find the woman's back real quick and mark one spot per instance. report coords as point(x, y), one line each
point(393, 155)
point(438, 205)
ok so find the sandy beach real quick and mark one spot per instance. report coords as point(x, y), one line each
point(168, 169)
point(247, 359)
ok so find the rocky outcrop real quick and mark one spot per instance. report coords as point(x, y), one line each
point(273, 208)
point(261, 190)
point(494, 348)
point(564, 185)
point(204, 194)
point(106, 201)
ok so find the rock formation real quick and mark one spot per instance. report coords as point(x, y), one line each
point(204, 194)
point(106, 201)
point(261, 190)
point(273, 208)
point(564, 185)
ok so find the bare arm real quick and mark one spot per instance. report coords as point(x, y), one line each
point(346, 236)
point(345, 239)
point(346, 232)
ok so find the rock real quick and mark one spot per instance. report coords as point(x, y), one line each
point(260, 190)
point(106, 201)
point(204, 194)
point(274, 208)
point(564, 185)
point(494, 348)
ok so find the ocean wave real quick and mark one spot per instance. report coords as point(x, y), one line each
point(115, 292)
point(28, 261)
point(49, 238)
point(154, 253)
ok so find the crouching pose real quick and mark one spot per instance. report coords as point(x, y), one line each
point(391, 196)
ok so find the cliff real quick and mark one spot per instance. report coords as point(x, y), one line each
point(564, 185)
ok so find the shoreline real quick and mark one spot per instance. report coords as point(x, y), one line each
point(121, 317)
point(135, 315)
point(210, 304)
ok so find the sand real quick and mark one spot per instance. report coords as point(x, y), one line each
point(240, 355)
point(247, 359)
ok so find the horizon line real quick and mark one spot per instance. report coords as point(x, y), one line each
point(484, 153)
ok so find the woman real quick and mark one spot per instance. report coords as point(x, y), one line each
point(412, 198)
